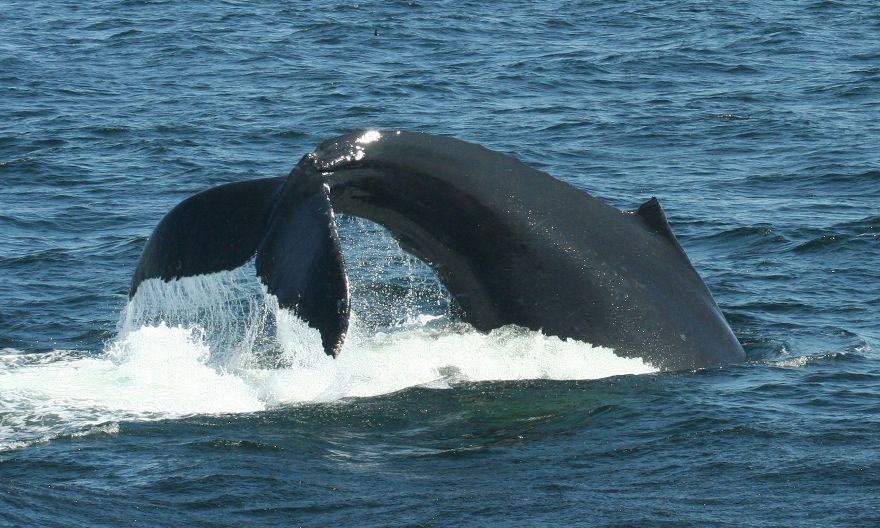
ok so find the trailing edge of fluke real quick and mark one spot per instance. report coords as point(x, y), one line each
point(512, 244)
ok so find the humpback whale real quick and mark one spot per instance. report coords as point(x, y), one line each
point(512, 245)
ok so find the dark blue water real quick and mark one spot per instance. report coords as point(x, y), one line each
point(756, 124)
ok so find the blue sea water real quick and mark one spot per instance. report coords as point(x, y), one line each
point(757, 125)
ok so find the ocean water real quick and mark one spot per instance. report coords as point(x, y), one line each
point(757, 125)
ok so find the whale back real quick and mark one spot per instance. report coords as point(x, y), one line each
point(513, 245)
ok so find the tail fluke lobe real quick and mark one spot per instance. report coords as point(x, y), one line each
point(300, 260)
point(214, 230)
point(287, 222)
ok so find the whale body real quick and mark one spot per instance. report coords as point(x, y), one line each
point(512, 245)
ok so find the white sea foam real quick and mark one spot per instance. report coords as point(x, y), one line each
point(208, 345)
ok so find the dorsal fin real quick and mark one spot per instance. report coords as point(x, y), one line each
point(655, 219)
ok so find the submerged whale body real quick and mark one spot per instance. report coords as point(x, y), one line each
point(512, 245)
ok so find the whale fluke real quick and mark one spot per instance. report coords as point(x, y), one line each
point(286, 222)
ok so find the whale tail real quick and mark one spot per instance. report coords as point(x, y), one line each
point(512, 245)
point(287, 222)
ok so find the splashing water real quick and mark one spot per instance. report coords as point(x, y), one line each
point(218, 343)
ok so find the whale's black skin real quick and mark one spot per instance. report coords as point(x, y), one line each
point(512, 244)
point(286, 221)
